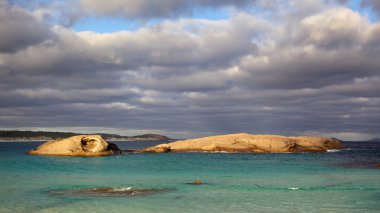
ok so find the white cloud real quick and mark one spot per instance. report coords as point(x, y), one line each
point(311, 67)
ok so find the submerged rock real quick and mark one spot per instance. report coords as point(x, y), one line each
point(80, 145)
point(107, 191)
point(243, 142)
point(196, 182)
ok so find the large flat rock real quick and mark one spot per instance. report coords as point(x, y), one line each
point(79, 145)
point(243, 142)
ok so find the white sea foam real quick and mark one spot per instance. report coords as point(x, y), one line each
point(333, 150)
point(293, 188)
point(121, 189)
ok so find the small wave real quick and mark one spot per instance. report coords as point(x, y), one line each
point(122, 189)
point(316, 188)
point(212, 152)
point(333, 150)
point(293, 188)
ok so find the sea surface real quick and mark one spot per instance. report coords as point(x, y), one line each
point(342, 181)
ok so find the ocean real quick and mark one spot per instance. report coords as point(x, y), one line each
point(342, 181)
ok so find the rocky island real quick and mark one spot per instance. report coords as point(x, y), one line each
point(79, 145)
point(95, 145)
point(243, 142)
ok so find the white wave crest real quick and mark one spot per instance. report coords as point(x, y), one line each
point(333, 150)
point(293, 188)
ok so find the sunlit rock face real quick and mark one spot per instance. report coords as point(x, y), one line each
point(243, 142)
point(79, 145)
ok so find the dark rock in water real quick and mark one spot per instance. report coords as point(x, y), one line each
point(108, 192)
point(113, 148)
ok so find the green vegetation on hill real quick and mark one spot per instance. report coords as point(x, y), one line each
point(42, 135)
point(158, 137)
point(33, 134)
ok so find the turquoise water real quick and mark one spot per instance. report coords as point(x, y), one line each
point(344, 181)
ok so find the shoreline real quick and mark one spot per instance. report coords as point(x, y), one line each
point(135, 140)
point(117, 140)
point(20, 141)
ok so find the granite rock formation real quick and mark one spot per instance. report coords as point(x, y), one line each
point(243, 142)
point(79, 145)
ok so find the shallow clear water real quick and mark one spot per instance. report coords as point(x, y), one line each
point(345, 181)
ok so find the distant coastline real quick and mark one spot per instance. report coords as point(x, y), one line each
point(374, 140)
point(30, 136)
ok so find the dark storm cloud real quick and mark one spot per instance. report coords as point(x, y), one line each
point(312, 70)
point(374, 4)
point(146, 9)
point(331, 47)
point(19, 29)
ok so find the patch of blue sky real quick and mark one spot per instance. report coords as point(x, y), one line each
point(364, 11)
point(211, 13)
point(106, 24)
point(31, 5)
point(113, 24)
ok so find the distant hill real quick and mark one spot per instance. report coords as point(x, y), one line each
point(156, 136)
point(375, 140)
point(42, 135)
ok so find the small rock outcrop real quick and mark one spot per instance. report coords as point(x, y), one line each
point(79, 145)
point(243, 142)
point(197, 182)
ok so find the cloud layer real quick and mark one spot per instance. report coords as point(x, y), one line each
point(294, 68)
point(147, 9)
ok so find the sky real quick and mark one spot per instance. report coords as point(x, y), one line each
point(191, 68)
